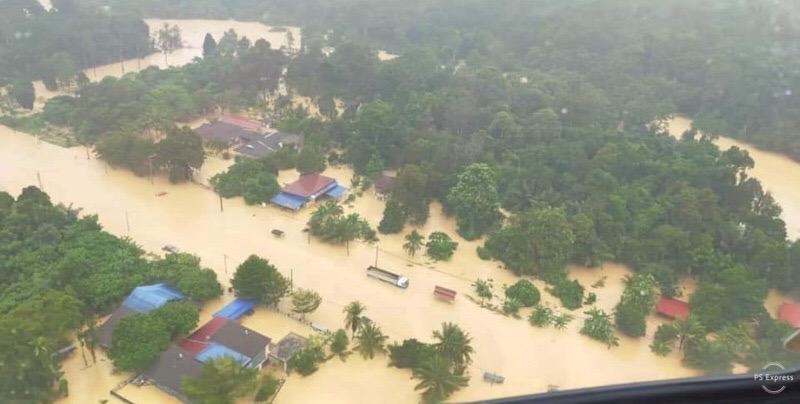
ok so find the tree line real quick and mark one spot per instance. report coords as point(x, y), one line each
point(56, 45)
point(651, 59)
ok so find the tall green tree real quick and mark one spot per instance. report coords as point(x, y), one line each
point(169, 39)
point(475, 201)
point(454, 344)
point(393, 218)
point(257, 279)
point(638, 300)
point(305, 301)
point(437, 379)
point(310, 160)
point(180, 317)
point(24, 94)
point(440, 246)
point(180, 152)
point(353, 316)
point(538, 241)
point(414, 242)
point(138, 340)
point(209, 45)
point(371, 341)
point(222, 380)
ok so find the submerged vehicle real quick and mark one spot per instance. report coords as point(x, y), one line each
point(395, 279)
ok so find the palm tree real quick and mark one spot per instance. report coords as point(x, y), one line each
point(371, 341)
point(437, 379)
point(454, 344)
point(350, 229)
point(352, 316)
point(689, 330)
point(414, 242)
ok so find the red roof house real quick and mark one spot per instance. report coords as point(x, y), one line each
point(310, 186)
point(790, 313)
point(672, 308)
point(243, 123)
point(200, 339)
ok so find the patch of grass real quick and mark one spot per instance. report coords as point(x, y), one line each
point(32, 124)
point(35, 125)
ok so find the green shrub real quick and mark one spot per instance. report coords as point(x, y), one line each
point(267, 388)
point(524, 292)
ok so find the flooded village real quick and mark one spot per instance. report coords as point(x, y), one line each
point(154, 213)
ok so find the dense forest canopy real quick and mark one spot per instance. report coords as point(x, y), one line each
point(57, 271)
point(731, 65)
point(55, 45)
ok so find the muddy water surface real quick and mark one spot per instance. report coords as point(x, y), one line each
point(189, 217)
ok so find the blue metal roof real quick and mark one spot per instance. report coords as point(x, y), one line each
point(145, 298)
point(336, 191)
point(289, 201)
point(215, 351)
point(236, 308)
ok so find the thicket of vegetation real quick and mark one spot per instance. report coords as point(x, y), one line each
point(733, 66)
point(140, 338)
point(439, 366)
point(330, 224)
point(54, 46)
point(124, 116)
point(57, 272)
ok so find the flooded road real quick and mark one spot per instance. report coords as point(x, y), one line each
point(189, 217)
point(778, 174)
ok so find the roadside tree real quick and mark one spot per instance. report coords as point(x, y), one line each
point(259, 280)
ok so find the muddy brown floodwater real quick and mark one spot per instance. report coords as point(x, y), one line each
point(189, 217)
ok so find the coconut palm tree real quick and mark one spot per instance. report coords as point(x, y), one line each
point(352, 316)
point(454, 344)
point(438, 379)
point(371, 341)
point(689, 330)
point(414, 242)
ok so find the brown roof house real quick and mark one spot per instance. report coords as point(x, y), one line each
point(384, 186)
point(169, 370)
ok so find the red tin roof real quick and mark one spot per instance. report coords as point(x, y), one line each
point(672, 308)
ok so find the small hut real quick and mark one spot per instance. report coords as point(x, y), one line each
point(283, 350)
point(384, 186)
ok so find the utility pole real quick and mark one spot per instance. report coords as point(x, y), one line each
point(220, 204)
point(376, 255)
point(121, 59)
point(225, 258)
point(291, 280)
point(128, 223)
point(39, 176)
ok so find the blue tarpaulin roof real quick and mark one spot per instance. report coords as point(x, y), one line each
point(215, 351)
point(146, 298)
point(288, 201)
point(336, 191)
point(236, 308)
